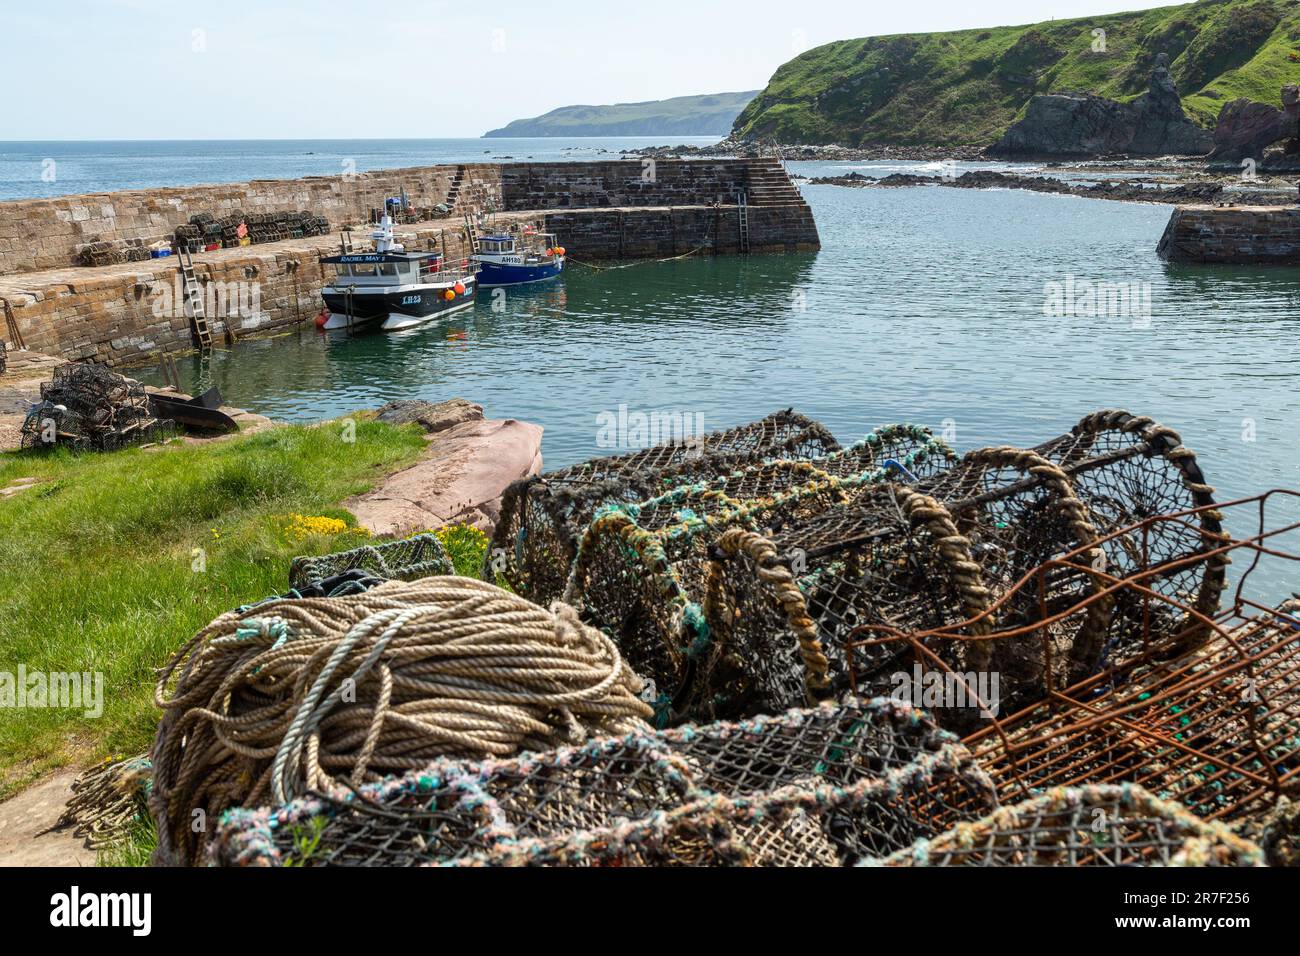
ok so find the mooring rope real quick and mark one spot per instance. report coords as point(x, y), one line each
point(293, 694)
point(629, 265)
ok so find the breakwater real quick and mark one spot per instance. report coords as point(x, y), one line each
point(1240, 235)
point(127, 312)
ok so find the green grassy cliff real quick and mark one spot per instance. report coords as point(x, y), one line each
point(967, 87)
point(707, 115)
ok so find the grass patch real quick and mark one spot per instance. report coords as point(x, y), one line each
point(966, 87)
point(115, 560)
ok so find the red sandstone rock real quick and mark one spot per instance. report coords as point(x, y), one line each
point(460, 479)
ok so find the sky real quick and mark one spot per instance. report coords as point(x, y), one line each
point(267, 69)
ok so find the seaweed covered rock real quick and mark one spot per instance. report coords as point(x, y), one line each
point(431, 416)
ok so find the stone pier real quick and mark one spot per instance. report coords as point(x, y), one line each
point(617, 209)
point(1243, 235)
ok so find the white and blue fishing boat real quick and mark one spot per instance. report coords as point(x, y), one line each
point(506, 260)
point(393, 288)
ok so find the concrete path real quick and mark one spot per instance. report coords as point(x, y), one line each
point(25, 839)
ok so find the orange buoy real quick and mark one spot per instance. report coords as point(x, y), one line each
point(460, 288)
point(559, 250)
point(449, 295)
point(322, 318)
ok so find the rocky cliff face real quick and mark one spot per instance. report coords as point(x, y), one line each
point(1246, 128)
point(1073, 124)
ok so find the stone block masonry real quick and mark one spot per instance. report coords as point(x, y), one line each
point(38, 234)
point(1247, 235)
point(650, 233)
point(604, 210)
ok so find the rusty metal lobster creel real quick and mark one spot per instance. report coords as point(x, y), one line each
point(824, 786)
point(1095, 825)
point(535, 538)
point(1126, 469)
point(1214, 726)
point(1217, 728)
point(894, 560)
point(642, 573)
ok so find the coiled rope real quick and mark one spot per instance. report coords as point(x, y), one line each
point(290, 695)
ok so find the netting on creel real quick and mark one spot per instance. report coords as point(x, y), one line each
point(1216, 729)
point(824, 786)
point(1125, 469)
point(410, 559)
point(1098, 825)
point(541, 518)
point(297, 694)
point(643, 574)
point(869, 568)
point(86, 406)
point(913, 558)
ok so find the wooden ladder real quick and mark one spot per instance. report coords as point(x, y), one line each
point(742, 207)
point(194, 301)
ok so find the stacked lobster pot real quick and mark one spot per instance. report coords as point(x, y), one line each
point(542, 518)
point(789, 580)
point(87, 406)
point(647, 572)
point(747, 602)
point(825, 786)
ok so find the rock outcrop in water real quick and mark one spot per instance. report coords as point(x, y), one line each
point(1082, 124)
point(1247, 128)
point(1127, 190)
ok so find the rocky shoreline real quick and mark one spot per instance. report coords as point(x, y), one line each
point(1069, 133)
point(1202, 190)
point(732, 148)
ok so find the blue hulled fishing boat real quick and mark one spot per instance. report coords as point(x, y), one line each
point(506, 260)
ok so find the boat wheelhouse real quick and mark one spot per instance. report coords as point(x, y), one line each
point(393, 288)
point(503, 260)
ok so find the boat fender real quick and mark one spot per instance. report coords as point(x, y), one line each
point(322, 318)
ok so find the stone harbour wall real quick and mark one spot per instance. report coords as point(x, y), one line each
point(37, 234)
point(650, 233)
point(1232, 234)
point(128, 314)
point(622, 183)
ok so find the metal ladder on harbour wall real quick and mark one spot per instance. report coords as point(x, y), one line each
point(194, 301)
point(471, 234)
point(742, 215)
